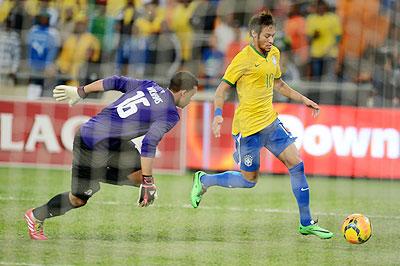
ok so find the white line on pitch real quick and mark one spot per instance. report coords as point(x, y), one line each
point(19, 263)
point(233, 209)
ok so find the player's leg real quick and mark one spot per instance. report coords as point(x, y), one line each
point(83, 185)
point(247, 156)
point(281, 144)
point(58, 205)
point(291, 158)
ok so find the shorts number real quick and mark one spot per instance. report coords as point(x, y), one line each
point(128, 107)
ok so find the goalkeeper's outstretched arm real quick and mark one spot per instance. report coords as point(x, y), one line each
point(73, 94)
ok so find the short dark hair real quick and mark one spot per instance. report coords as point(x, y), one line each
point(259, 21)
point(183, 80)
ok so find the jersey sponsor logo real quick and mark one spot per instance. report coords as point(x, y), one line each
point(248, 160)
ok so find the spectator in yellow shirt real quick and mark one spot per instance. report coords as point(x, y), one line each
point(150, 22)
point(79, 48)
point(180, 24)
point(324, 31)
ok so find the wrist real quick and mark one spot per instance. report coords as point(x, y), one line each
point(218, 111)
point(147, 179)
point(81, 92)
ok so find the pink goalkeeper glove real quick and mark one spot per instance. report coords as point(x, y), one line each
point(147, 192)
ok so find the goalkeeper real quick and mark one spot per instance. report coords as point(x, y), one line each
point(103, 150)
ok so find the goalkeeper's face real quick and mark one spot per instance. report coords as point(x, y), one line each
point(186, 97)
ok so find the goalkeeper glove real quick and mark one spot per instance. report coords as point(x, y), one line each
point(70, 93)
point(147, 191)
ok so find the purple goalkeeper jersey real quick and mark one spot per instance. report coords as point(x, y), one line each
point(145, 108)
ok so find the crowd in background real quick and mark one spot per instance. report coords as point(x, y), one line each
point(47, 42)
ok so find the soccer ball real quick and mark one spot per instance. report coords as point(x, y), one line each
point(357, 229)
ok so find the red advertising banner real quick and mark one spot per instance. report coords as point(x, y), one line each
point(41, 133)
point(342, 141)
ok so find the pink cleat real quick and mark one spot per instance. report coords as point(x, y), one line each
point(35, 227)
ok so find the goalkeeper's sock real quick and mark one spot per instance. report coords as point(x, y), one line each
point(56, 206)
point(302, 192)
point(231, 179)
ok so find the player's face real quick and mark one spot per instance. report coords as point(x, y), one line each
point(185, 98)
point(265, 39)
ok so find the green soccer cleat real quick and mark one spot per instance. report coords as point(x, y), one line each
point(314, 229)
point(197, 189)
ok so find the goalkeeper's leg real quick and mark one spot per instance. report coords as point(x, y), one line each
point(56, 206)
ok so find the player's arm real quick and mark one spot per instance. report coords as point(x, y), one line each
point(148, 190)
point(284, 89)
point(219, 100)
point(73, 94)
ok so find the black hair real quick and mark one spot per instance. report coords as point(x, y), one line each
point(183, 80)
point(259, 21)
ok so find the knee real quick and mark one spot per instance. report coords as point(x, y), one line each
point(77, 202)
point(292, 161)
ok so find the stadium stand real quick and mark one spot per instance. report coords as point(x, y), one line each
point(358, 64)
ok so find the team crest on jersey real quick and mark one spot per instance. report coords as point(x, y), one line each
point(274, 60)
point(248, 160)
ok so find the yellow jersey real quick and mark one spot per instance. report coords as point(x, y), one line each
point(329, 27)
point(253, 75)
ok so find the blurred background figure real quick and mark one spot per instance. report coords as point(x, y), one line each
point(102, 27)
point(80, 48)
point(180, 24)
point(10, 50)
point(163, 54)
point(386, 82)
point(324, 31)
point(124, 27)
point(16, 13)
point(131, 54)
point(295, 30)
point(212, 64)
point(149, 22)
point(66, 23)
point(43, 42)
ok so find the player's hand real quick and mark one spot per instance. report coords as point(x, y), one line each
point(147, 192)
point(67, 93)
point(310, 104)
point(216, 125)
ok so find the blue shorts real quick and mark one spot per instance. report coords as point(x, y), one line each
point(274, 137)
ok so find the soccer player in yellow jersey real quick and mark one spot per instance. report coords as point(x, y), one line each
point(255, 73)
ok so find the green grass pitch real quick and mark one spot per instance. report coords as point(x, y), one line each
point(231, 227)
